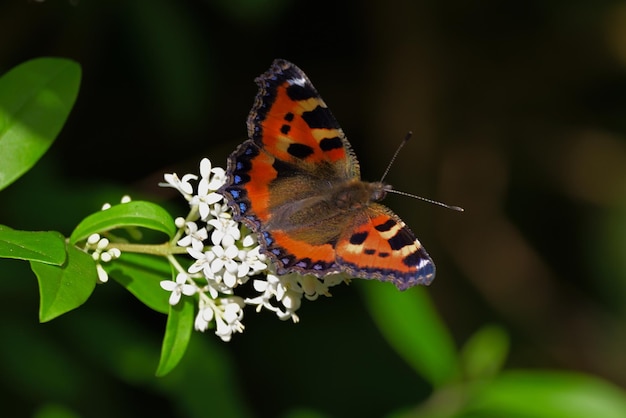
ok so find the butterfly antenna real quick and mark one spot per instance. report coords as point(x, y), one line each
point(390, 190)
point(424, 199)
point(395, 154)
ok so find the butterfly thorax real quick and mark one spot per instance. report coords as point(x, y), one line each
point(356, 194)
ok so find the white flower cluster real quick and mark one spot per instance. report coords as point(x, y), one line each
point(227, 256)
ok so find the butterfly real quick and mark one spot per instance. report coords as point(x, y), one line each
point(296, 183)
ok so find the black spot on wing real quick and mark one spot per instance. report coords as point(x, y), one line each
point(328, 144)
point(320, 117)
point(390, 223)
point(285, 129)
point(299, 150)
point(358, 238)
point(289, 117)
point(401, 240)
point(285, 169)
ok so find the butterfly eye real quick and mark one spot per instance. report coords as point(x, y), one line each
point(379, 191)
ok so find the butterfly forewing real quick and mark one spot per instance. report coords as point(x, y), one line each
point(291, 122)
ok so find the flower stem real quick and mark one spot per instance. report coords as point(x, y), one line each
point(163, 250)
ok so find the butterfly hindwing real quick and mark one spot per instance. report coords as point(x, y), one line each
point(380, 246)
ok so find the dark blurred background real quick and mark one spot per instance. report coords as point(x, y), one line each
point(519, 115)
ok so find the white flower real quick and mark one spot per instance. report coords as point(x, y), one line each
point(194, 237)
point(225, 230)
point(178, 288)
point(284, 289)
point(211, 180)
point(219, 209)
point(217, 264)
point(228, 318)
point(182, 185)
point(215, 177)
point(202, 263)
point(224, 264)
point(204, 199)
point(252, 261)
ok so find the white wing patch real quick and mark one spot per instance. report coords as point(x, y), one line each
point(297, 81)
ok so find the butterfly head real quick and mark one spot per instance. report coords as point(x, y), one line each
point(379, 191)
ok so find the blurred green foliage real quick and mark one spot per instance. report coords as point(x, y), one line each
point(519, 112)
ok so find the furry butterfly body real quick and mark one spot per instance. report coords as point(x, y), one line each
point(296, 183)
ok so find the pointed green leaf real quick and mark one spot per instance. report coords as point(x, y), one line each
point(64, 288)
point(46, 247)
point(35, 100)
point(177, 335)
point(131, 214)
point(141, 275)
point(411, 325)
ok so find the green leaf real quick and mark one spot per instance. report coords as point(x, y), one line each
point(411, 325)
point(177, 335)
point(35, 100)
point(485, 352)
point(141, 275)
point(45, 247)
point(131, 214)
point(64, 288)
point(547, 394)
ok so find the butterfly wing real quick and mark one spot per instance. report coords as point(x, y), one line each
point(379, 245)
point(291, 122)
